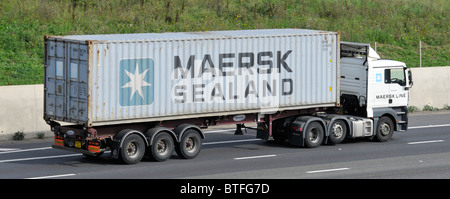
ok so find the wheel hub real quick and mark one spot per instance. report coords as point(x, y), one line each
point(385, 129)
point(161, 146)
point(132, 149)
point(190, 144)
point(313, 135)
point(338, 130)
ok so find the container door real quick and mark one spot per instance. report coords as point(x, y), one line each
point(77, 87)
point(66, 81)
point(55, 87)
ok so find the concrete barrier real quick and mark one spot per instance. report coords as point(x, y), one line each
point(21, 110)
point(21, 107)
point(431, 87)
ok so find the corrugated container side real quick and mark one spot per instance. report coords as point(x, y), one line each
point(160, 79)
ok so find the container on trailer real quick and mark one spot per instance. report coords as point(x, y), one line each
point(124, 78)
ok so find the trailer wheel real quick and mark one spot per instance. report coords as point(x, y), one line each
point(314, 135)
point(162, 147)
point(338, 132)
point(385, 129)
point(133, 149)
point(190, 144)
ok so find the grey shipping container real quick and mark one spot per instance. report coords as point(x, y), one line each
point(124, 78)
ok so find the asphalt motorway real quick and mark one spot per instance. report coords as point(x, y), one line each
point(421, 152)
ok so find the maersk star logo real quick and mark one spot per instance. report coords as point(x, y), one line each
point(136, 82)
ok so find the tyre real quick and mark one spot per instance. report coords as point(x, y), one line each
point(338, 132)
point(189, 145)
point(162, 146)
point(385, 129)
point(133, 149)
point(314, 135)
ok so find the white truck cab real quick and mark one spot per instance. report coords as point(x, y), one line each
point(389, 84)
point(372, 87)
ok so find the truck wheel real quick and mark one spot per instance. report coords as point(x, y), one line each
point(133, 149)
point(190, 144)
point(162, 147)
point(314, 135)
point(338, 132)
point(385, 129)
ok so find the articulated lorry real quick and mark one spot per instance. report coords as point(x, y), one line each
point(153, 94)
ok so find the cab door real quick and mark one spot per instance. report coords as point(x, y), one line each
point(378, 88)
point(387, 87)
point(398, 91)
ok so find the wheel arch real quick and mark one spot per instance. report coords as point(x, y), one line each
point(151, 133)
point(180, 129)
point(119, 138)
point(126, 132)
point(388, 112)
point(306, 120)
point(346, 121)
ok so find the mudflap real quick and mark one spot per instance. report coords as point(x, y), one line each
point(115, 147)
point(262, 131)
point(296, 138)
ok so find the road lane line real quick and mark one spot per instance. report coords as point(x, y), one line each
point(253, 157)
point(9, 149)
point(72, 155)
point(327, 170)
point(25, 150)
point(53, 176)
point(231, 141)
point(15, 150)
point(224, 130)
point(425, 142)
point(428, 126)
point(39, 158)
point(219, 131)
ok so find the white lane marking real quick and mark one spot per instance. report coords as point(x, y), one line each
point(253, 157)
point(71, 155)
point(24, 150)
point(231, 141)
point(327, 170)
point(225, 130)
point(39, 158)
point(426, 142)
point(52, 176)
point(219, 131)
point(8, 149)
point(428, 126)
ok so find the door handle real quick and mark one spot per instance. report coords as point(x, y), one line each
point(390, 101)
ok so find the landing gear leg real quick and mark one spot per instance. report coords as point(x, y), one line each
point(239, 129)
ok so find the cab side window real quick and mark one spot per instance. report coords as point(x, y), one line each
point(394, 76)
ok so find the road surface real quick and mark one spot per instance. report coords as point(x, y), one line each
point(422, 152)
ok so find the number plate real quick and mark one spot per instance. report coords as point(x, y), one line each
point(77, 144)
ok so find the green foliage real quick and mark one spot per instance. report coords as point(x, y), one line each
point(429, 108)
point(40, 135)
point(396, 25)
point(19, 135)
point(446, 107)
point(412, 109)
